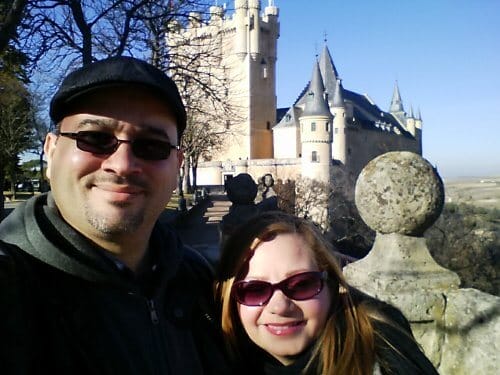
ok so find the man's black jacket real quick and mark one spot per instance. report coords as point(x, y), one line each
point(65, 308)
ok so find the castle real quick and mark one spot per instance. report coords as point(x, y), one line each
point(328, 127)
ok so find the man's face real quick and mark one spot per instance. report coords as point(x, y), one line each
point(112, 196)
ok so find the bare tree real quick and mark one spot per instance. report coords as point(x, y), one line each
point(11, 14)
point(61, 34)
point(195, 53)
point(312, 201)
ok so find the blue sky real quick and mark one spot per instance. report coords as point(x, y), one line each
point(445, 55)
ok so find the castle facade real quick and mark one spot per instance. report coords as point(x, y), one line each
point(327, 129)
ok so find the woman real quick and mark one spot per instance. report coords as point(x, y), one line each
point(287, 309)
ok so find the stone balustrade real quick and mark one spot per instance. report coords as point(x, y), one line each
point(400, 195)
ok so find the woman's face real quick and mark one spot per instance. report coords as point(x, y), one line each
point(284, 327)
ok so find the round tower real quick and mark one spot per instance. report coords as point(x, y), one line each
point(271, 13)
point(254, 27)
point(339, 151)
point(194, 19)
point(240, 14)
point(316, 132)
point(216, 14)
point(418, 131)
point(410, 122)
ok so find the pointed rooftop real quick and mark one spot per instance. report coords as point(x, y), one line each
point(419, 115)
point(328, 71)
point(338, 96)
point(396, 102)
point(316, 105)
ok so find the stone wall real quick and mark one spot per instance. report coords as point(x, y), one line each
point(358, 155)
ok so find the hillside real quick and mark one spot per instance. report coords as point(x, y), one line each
point(481, 192)
point(466, 238)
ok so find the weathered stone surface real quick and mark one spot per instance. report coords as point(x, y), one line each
point(398, 263)
point(399, 192)
point(472, 333)
point(400, 195)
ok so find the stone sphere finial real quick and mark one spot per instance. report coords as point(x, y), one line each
point(399, 192)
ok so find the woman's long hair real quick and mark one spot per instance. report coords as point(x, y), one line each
point(347, 343)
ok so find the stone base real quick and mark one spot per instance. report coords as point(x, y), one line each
point(399, 264)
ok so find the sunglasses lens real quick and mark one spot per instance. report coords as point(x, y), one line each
point(96, 142)
point(253, 293)
point(303, 286)
point(298, 287)
point(151, 149)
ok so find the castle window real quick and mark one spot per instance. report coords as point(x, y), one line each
point(336, 130)
point(313, 126)
point(314, 157)
point(327, 127)
point(268, 125)
point(263, 66)
point(227, 124)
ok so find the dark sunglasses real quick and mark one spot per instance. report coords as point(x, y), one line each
point(103, 143)
point(298, 287)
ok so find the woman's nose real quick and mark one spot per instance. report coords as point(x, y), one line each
point(279, 303)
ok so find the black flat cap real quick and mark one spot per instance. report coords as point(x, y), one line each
point(117, 71)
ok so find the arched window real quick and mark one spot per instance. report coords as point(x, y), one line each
point(314, 157)
point(313, 126)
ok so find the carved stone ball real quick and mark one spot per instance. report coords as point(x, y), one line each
point(241, 189)
point(399, 192)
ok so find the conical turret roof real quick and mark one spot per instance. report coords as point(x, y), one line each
point(316, 105)
point(328, 71)
point(396, 102)
point(338, 96)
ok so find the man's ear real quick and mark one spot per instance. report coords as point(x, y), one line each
point(48, 148)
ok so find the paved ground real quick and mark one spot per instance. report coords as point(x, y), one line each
point(199, 228)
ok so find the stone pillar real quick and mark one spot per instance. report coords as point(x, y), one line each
point(241, 191)
point(400, 195)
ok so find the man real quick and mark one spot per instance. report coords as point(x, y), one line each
point(90, 282)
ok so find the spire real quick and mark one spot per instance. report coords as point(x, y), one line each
point(419, 115)
point(316, 104)
point(328, 71)
point(396, 103)
point(338, 96)
point(411, 112)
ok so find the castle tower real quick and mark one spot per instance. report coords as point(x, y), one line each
point(240, 15)
point(410, 122)
point(396, 108)
point(316, 132)
point(261, 86)
point(243, 49)
point(254, 27)
point(418, 131)
point(339, 125)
